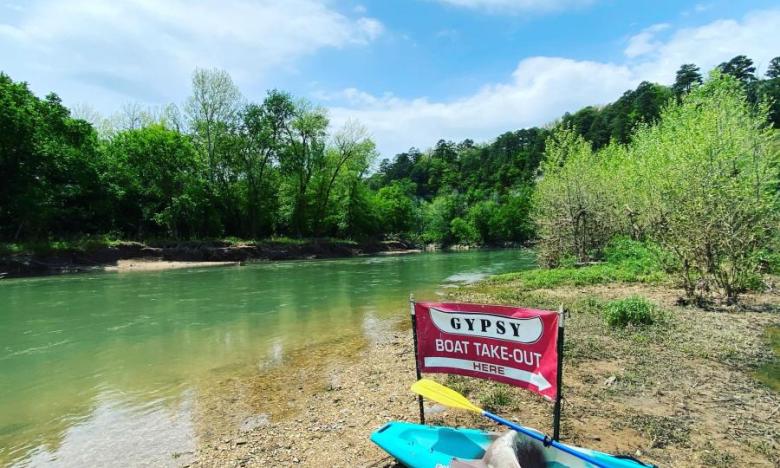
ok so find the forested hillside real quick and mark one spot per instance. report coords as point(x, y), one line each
point(219, 165)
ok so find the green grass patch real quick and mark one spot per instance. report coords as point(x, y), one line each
point(626, 261)
point(633, 310)
point(496, 398)
point(769, 373)
point(593, 274)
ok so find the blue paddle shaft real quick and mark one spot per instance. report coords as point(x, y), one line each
point(541, 438)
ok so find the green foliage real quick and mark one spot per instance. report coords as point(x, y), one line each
point(583, 276)
point(153, 178)
point(618, 120)
point(228, 167)
point(687, 77)
point(633, 310)
point(396, 207)
point(628, 261)
point(572, 201)
point(701, 183)
point(50, 167)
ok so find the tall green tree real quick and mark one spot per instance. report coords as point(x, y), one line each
point(740, 67)
point(264, 128)
point(156, 180)
point(349, 156)
point(213, 111)
point(773, 70)
point(302, 159)
point(687, 77)
point(49, 166)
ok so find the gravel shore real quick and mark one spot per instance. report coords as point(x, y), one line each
point(679, 393)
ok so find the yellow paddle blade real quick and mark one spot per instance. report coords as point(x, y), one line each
point(441, 394)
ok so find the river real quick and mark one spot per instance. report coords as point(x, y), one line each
point(107, 366)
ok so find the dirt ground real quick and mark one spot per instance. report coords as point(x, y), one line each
point(680, 392)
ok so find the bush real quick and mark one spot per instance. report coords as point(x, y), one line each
point(633, 310)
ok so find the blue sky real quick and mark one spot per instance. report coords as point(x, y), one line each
point(412, 71)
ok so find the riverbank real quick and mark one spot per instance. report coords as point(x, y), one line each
point(680, 392)
point(136, 256)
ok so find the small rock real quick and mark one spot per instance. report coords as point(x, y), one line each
point(610, 380)
point(435, 409)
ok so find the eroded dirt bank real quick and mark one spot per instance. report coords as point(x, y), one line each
point(678, 393)
point(176, 254)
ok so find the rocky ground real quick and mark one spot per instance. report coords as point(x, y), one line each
point(681, 392)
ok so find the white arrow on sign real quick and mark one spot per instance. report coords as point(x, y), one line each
point(532, 378)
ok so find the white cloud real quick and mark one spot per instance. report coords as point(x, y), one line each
point(645, 42)
point(518, 6)
point(147, 49)
point(543, 88)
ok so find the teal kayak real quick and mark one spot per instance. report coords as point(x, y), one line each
point(419, 446)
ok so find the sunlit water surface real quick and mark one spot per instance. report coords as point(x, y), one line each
point(101, 368)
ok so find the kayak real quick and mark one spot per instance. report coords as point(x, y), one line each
point(419, 446)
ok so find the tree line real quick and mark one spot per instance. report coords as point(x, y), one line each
point(219, 165)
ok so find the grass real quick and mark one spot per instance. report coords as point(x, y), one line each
point(663, 431)
point(625, 261)
point(769, 373)
point(634, 310)
point(496, 398)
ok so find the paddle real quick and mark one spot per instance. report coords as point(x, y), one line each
point(448, 397)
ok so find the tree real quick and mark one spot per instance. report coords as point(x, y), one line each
point(573, 201)
point(212, 111)
point(49, 167)
point(740, 67)
point(154, 178)
point(352, 151)
point(302, 158)
point(396, 207)
point(706, 181)
point(773, 71)
point(770, 91)
point(687, 77)
point(263, 132)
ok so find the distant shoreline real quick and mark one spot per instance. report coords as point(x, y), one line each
point(136, 256)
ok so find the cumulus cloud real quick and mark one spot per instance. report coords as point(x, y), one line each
point(146, 49)
point(518, 6)
point(644, 42)
point(543, 88)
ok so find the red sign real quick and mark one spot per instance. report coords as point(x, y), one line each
point(507, 344)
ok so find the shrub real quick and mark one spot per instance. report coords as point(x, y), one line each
point(633, 310)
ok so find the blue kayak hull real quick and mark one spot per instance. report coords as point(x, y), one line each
point(419, 446)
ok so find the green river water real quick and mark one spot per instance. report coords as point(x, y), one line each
point(98, 368)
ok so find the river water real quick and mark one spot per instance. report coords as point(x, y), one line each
point(96, 368)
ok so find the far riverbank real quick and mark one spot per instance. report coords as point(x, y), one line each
point(136, 256)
